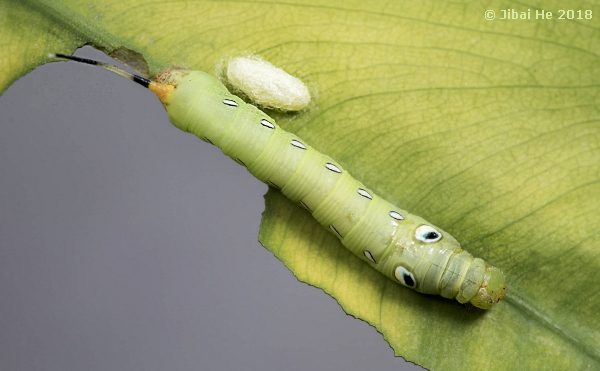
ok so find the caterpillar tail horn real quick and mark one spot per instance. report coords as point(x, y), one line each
point(161, 90)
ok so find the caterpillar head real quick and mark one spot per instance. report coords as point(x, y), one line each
point(171, 75)
point(492, 289)
point(166, 81)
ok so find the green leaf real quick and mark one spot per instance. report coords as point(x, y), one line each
point(488, 129)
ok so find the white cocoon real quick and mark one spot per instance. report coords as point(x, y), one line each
point(267, 85)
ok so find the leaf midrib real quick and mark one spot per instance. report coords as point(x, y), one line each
point(523, 306)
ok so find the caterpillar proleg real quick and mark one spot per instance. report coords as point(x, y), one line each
point(404, 247)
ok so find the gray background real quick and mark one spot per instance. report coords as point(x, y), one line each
point(117, 250)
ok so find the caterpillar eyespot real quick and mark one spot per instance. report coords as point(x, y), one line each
point(369, 256)
point(333, 168)
point(427, 234)
point(265, 84)
point(230, 102)
point(405, 277)
point(402, 246)
point(298, 144)
point(365, 194)
point(335, 230)
point(396, 215)
point(305, 205)
point(273, 184)
point(267, 123)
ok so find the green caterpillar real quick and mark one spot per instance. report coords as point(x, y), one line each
point(402, 246)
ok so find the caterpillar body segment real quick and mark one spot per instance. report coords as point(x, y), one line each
point(402, 246)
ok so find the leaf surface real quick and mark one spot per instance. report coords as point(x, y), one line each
point(488, 129)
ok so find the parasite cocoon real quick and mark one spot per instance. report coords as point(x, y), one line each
point(267, 85)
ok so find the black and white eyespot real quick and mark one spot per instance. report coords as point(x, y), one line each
point(298, 144)
point(305, 205)
point(335, 230)
point(332, 167)
point(230, 102)
point(396, 215)
point(207, 140)
point(267, 123)
point(405, 277)
point(273, 184)
point(364, 193)
point(240, 162)
point(427, 233)
point(369, 256)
